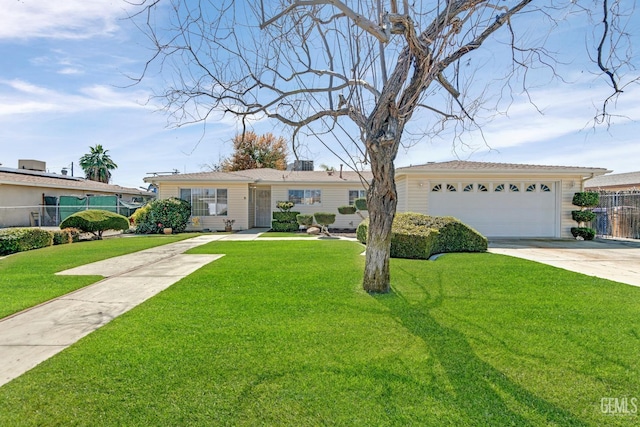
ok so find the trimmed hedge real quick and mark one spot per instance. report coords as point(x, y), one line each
point(347, 210)
point(284, 226)
point(325, 218)
point(419, 236)
point(585, 232)
point(360, 204)
point(305, 220)
point(62, 237)
point(96, 221)
point(14, 240)
point(285, 216)
point(583, 216)
point(586, 199)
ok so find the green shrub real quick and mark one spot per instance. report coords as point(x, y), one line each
point(284, 226)
point(14, 240)
point(325, 218)
point(305, 220)
point(586, 199)
point(62, 237)
point(583, 216)
point(585, 232)
point(420, 236)
point(96, 221)
point(171, 213)
point(347, 210)
point(360, 204)
point(284, 206)
point(285, 216)
point(154, 217)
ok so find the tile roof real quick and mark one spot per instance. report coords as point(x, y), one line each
point(460, 165)
point(50, 180)
point(630, 179)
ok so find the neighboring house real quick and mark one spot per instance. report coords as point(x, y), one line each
point(24, 193)
point(499, 200)
point(614, 182)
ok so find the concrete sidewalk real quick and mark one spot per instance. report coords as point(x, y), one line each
point(34, 335)
point(617, 260)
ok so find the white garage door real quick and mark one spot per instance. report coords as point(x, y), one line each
point(499, 209)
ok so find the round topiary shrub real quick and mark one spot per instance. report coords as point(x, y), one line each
point(347, 210)
point(306, 220)
point(583, 216)
point(584, 232)
point(586, 199)
point(360, 204)
point(96, 221)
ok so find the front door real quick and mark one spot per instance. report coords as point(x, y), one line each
point(263, 207)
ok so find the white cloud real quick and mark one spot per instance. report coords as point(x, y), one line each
point(26, 98)
point(59, 19)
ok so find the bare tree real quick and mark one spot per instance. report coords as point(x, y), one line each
point(351, 74)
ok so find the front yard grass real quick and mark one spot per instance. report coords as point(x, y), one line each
point(28, 279)
point(280, 333)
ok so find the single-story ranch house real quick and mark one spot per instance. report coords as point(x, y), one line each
point(497, 199)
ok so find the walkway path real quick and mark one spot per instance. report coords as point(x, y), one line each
point(34, 335)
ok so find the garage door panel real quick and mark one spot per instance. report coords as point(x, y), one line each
point(500, 214)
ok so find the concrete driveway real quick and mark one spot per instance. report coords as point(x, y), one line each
point(617, 260)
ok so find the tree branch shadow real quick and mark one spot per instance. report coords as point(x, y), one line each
point(483, 393)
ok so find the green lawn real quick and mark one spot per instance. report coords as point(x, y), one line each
point(280, 333)
point(27, 278)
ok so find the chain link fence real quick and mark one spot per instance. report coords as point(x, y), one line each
point(618, 215)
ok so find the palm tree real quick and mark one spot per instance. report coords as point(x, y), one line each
point(97, 165)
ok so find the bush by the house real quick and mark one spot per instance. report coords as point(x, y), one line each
point(586, 199)
point(324, 219)
point(360, 204)
point(285, 220)
point(14, 240)
point(287, 216)
point(62, 237)
point(154, 217)
point(305, 220)
point(96, 221)
point(583, 216)
point(584, 232)
point(347, 210)
point(420, 236)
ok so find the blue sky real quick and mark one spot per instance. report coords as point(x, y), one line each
point(63, 88)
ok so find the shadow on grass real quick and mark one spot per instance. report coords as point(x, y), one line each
point(481, 393)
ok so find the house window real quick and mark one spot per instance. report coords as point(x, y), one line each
point(206, 201)
point(531, 188)
point(468, 188)
point(305, 197)
point(436, 188)
point(356, 194)
point(482, 188)
point(451, 188)
point(499, 188)
point(514, 188)
point(545, 188)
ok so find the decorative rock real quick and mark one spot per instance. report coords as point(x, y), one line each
point(313, 230)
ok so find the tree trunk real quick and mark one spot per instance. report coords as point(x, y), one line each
point(381, 204)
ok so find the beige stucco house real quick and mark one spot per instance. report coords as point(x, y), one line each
point(498, 199)
point(24, 193)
